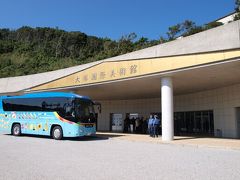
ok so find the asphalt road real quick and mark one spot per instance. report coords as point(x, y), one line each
point(33, 158)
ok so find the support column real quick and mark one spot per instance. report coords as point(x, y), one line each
point(167, 109)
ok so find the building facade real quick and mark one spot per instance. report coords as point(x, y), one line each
point(192, 83)
point(194, 110)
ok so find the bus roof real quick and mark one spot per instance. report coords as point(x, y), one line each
point(47, 94)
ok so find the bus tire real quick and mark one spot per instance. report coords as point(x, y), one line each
point(16, 130)
point(57, 133)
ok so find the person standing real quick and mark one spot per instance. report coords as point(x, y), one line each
point(156, 123)
point(126, 124)
point(145, 125)
point(150, 126)
point(134, 124)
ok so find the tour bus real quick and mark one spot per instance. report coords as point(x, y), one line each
point(55, 114)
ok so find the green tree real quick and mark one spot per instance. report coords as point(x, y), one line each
point(162, 40)
point(237, 5)
point(125, 44)
point(212, 25)
point(194, 30)
point(237, 9)
point(141, 43)
point(174, 31)
point(187, 27)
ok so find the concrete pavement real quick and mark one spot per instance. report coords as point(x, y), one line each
point(112, 157)
point(213, 142)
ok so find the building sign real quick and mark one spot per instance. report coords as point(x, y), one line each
point(115, 70)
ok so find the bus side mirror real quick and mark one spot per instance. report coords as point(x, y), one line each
point(98, 106)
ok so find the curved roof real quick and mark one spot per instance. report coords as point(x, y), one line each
point(20, 83)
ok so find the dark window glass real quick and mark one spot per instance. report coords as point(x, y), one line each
point(63, 106)
point(199, 122)
point(190, 121)
point(84, 111)
point(211, 122)
point(205, 121)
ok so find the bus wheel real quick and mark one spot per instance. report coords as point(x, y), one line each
point(57, 133)
point(16, 130)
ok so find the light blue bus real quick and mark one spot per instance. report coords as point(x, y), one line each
point(55, 114)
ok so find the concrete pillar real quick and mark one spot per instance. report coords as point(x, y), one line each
point(167, 109)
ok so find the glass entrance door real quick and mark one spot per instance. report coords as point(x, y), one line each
point(194, 122)
point(116, 122)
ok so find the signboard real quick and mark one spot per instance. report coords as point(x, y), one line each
point(114, 70)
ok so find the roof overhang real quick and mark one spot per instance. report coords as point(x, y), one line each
point(190, 73)
point(190, 80)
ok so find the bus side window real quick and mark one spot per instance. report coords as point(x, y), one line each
point(68, 109)
point(44, 105)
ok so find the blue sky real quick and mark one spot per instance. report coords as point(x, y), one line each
point(111, 18)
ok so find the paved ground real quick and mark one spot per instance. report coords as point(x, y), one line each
point(106, 158)
point(213, 142)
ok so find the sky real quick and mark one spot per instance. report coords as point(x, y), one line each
point(111, 18)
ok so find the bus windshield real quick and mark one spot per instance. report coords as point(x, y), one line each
point(84, 111)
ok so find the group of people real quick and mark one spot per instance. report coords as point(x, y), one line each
point(153, 126)
point(142, 125)
point(137, 125)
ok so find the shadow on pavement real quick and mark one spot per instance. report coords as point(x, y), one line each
point(177, 138)
point(110, 135)
point(84, 138)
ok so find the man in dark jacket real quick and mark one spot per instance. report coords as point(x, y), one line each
point(156, 124)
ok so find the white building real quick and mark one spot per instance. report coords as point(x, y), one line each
point(226, 19)
point(193, 83)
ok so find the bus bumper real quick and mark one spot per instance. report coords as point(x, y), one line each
point(80, 131)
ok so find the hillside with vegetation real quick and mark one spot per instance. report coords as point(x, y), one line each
point(33, 50)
